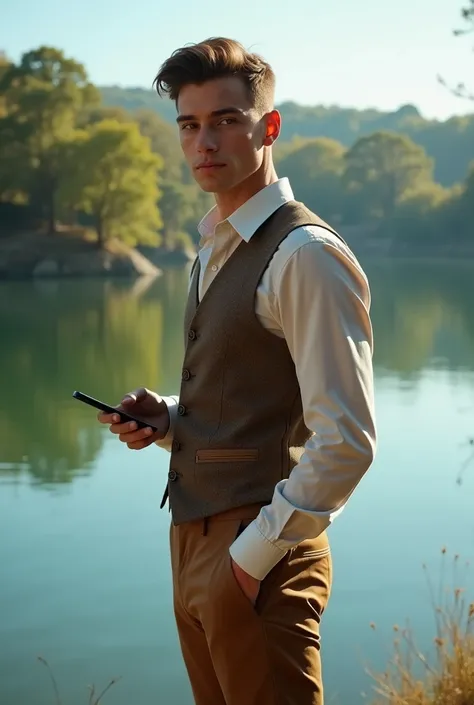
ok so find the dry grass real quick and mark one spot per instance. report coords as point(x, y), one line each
point(446, 678)
point(93, 698)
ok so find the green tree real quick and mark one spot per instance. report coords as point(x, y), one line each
point(461, 213)
point(380, 168)
point(5, 64)
point(99, 113)
point(176, 209)
point(42, 96)
point(314, 168)
point(182, 206)
point(163, 140)
point(114, 181)
point(419, 218)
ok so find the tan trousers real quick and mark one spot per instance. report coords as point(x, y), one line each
point(237, 653)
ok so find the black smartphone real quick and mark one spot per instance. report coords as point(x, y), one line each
point(110, 410)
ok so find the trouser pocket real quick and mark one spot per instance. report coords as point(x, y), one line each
point(230, 585)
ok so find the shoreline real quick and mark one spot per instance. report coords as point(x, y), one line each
point(68, 255)
point(31, 256)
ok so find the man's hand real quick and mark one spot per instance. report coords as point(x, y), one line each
point(249, 585)
point(146, 406)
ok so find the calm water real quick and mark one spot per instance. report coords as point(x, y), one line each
point(84, 567)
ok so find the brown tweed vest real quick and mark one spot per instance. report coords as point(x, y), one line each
point(240, 426)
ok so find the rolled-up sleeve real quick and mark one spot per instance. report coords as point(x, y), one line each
point(322, 303)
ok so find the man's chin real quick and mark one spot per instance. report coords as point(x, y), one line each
point(208, 188)
point(214, 185)
point(213, 181)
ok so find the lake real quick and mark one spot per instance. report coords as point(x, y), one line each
point(84, 562)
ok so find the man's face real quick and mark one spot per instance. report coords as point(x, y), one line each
point(221, 133)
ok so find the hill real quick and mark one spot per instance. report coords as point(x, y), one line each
point(450, 142)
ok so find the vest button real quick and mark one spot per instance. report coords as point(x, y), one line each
point(192, 334)
point(176, 445)
point(186, 374)
point(172, 475)
point(181, 410)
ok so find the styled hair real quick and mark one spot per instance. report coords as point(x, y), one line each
point(217, 57)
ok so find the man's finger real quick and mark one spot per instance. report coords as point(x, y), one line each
point(124, 427)
point(108, 418)
point(140, 435)
point(139, 445)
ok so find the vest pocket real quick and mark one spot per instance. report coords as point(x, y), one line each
point(226, 455)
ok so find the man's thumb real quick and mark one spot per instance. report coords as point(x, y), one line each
point(136, 396)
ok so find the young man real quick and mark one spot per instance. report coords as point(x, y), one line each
point(274, 424)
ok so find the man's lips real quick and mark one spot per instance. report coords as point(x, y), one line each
point(209, 165)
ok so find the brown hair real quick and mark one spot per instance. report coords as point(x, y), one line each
point(217, 57)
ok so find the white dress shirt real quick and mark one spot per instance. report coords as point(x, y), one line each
point(315, 294)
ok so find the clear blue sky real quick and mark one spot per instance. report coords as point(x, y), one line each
point(370, 53)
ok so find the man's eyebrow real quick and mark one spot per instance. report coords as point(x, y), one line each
point(215, 113)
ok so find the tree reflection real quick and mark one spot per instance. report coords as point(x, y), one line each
point(100, 337)
point(422, 317)
point(107, 337)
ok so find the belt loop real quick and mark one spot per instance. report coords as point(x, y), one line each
point(204, 526)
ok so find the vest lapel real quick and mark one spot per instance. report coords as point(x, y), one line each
point(251, 258)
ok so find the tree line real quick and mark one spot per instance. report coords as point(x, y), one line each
point(384, 182)
point(449, 142)
point(67, 158)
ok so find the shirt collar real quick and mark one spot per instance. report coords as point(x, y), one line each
point(252, 214)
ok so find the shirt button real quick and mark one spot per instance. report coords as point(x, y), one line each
point(192, 334)
point(172, 475)
point(186, 374)
point(214, 267)
point(181, 410)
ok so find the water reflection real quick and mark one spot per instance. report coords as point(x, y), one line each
point(106, 337)
point(422, 316)
point(102, 337)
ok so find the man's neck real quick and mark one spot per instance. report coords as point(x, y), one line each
point(228, 202)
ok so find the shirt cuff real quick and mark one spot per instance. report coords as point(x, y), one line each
point(254, 553)
point(172, 404)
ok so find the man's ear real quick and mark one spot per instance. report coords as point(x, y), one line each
point(273, 127)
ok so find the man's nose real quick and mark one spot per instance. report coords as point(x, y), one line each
point(206, 141)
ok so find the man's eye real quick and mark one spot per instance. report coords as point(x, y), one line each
point(188, 126)
point(227, 121)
